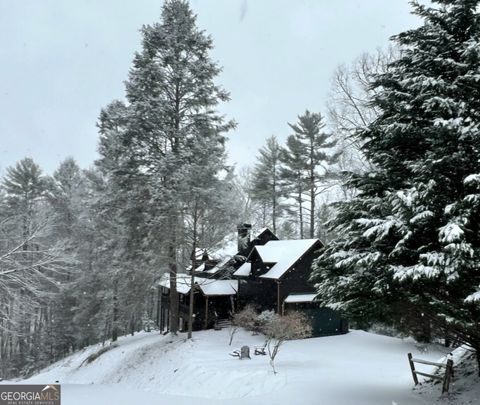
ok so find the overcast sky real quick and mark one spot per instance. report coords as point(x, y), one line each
point(62, 61)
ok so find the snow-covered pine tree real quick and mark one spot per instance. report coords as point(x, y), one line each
point(293, 177)
point(410, 240)
point(172, 101)
point(24, 186)
point(265, 188)
point(66, 196)
point(318, 158)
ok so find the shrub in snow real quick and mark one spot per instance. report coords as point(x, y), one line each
point(386, 330)
point(264, 319)
point(294, 325)
point(246, 319)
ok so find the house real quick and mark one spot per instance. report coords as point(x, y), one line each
point(262, 270)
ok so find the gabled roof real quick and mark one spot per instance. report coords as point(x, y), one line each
point(244, 270)
point(283, 254)
point(208, 286)
point(259, 232)
point(226, 251)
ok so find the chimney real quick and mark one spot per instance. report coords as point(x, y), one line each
point(243, 236)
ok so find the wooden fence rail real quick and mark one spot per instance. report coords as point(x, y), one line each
point(445, 379)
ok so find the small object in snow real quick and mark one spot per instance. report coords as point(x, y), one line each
point(175, 370)
point(260, 349)
point(244, 353)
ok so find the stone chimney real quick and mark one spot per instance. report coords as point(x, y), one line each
point(243, 236)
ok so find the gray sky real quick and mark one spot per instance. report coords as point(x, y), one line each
point(62, 61)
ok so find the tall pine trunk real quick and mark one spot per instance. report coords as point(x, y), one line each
point(312, 189)
point(274, 203)
point(312, 207)
point(172, 258)
point(194, 266)
point(115, 312)
point(300, 212)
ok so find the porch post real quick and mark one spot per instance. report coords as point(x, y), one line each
point(159, 306)
point(206, 312)
point(279, 307)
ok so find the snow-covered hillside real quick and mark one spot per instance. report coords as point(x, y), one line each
point(356, 368)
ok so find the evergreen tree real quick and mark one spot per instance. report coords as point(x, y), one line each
point(170, 111)
point(325, 213)
point(24, 185)
point(410, 241)
point(293, 176)
point(64, 193)
point(316, 147)
point(266, 189)
point(99, 236)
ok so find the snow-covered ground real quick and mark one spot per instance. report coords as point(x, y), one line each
point(357, 368)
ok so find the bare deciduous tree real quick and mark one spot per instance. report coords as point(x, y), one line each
point(350, 107)
point(294, 325)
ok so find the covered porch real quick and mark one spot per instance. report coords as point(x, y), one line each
point(213, 300)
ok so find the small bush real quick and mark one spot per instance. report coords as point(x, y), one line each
point(264, 319)
point(246, 319)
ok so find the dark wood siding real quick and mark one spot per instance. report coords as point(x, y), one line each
point(297, 279)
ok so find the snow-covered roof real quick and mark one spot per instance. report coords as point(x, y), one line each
point(297, 298)
point(200, 268)
point(183, 282)
point(257, 233)
point(283, 254)
point(219, 287)
point(244, 270)
point(218, 266)
point(208, 286)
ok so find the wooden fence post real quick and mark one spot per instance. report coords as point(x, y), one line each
point(448, 375)
point(412, 367)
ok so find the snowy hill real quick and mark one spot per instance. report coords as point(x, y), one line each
point(356, 368)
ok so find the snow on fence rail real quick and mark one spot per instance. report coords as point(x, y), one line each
point(445, 379)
